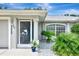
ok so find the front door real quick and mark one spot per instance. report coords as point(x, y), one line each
point(24, 33)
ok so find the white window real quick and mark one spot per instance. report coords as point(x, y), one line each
point(57, 28)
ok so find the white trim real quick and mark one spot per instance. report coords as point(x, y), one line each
point(24, 20)
point(55, 30)
point(19, 33)
point(31, 31)
point(54, 23)
point(35, 29)
point(26, 45)
point(9, 34)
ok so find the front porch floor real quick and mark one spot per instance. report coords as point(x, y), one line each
point(44, 50)
point(17, 52)
point(25, 52)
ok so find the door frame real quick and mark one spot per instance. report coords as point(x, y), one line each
point(25, 45)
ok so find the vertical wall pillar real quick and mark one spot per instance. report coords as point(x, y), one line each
point(35, 29)
point(14, 38)
point(68, 28)
point(9, 32)
point(31, 30)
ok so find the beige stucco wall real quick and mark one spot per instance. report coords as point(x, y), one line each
point(13, 15)
point(43, 24)
point(40, 29)
point(24, 15)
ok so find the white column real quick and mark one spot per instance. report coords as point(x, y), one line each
point(9, 32)
point(68, 28)
point(14, 38)
point(35, 29)
point(31, 30)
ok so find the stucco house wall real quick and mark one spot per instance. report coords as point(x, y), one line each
point(38, 21)
point(16, 15)
point(67, 20)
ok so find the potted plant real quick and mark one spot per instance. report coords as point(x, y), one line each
point(48, 34)
point(35, 44)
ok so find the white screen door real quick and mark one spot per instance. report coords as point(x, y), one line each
point(24, 33)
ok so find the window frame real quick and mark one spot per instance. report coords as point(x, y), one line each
point(46, 24)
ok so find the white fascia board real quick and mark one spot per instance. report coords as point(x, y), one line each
point(23, 12)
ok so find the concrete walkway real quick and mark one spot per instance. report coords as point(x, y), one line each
point(25, 52)
point(46, 52)
point(17, 52)
point(43, 51)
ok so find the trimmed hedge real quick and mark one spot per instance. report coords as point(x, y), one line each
point(75, 28)
point(66, 45)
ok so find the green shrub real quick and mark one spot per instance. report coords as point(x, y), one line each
point(75, 28)
point(48, 34)
point(66, 45)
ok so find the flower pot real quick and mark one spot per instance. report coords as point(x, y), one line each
point(33, 49)
point(48, 40)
